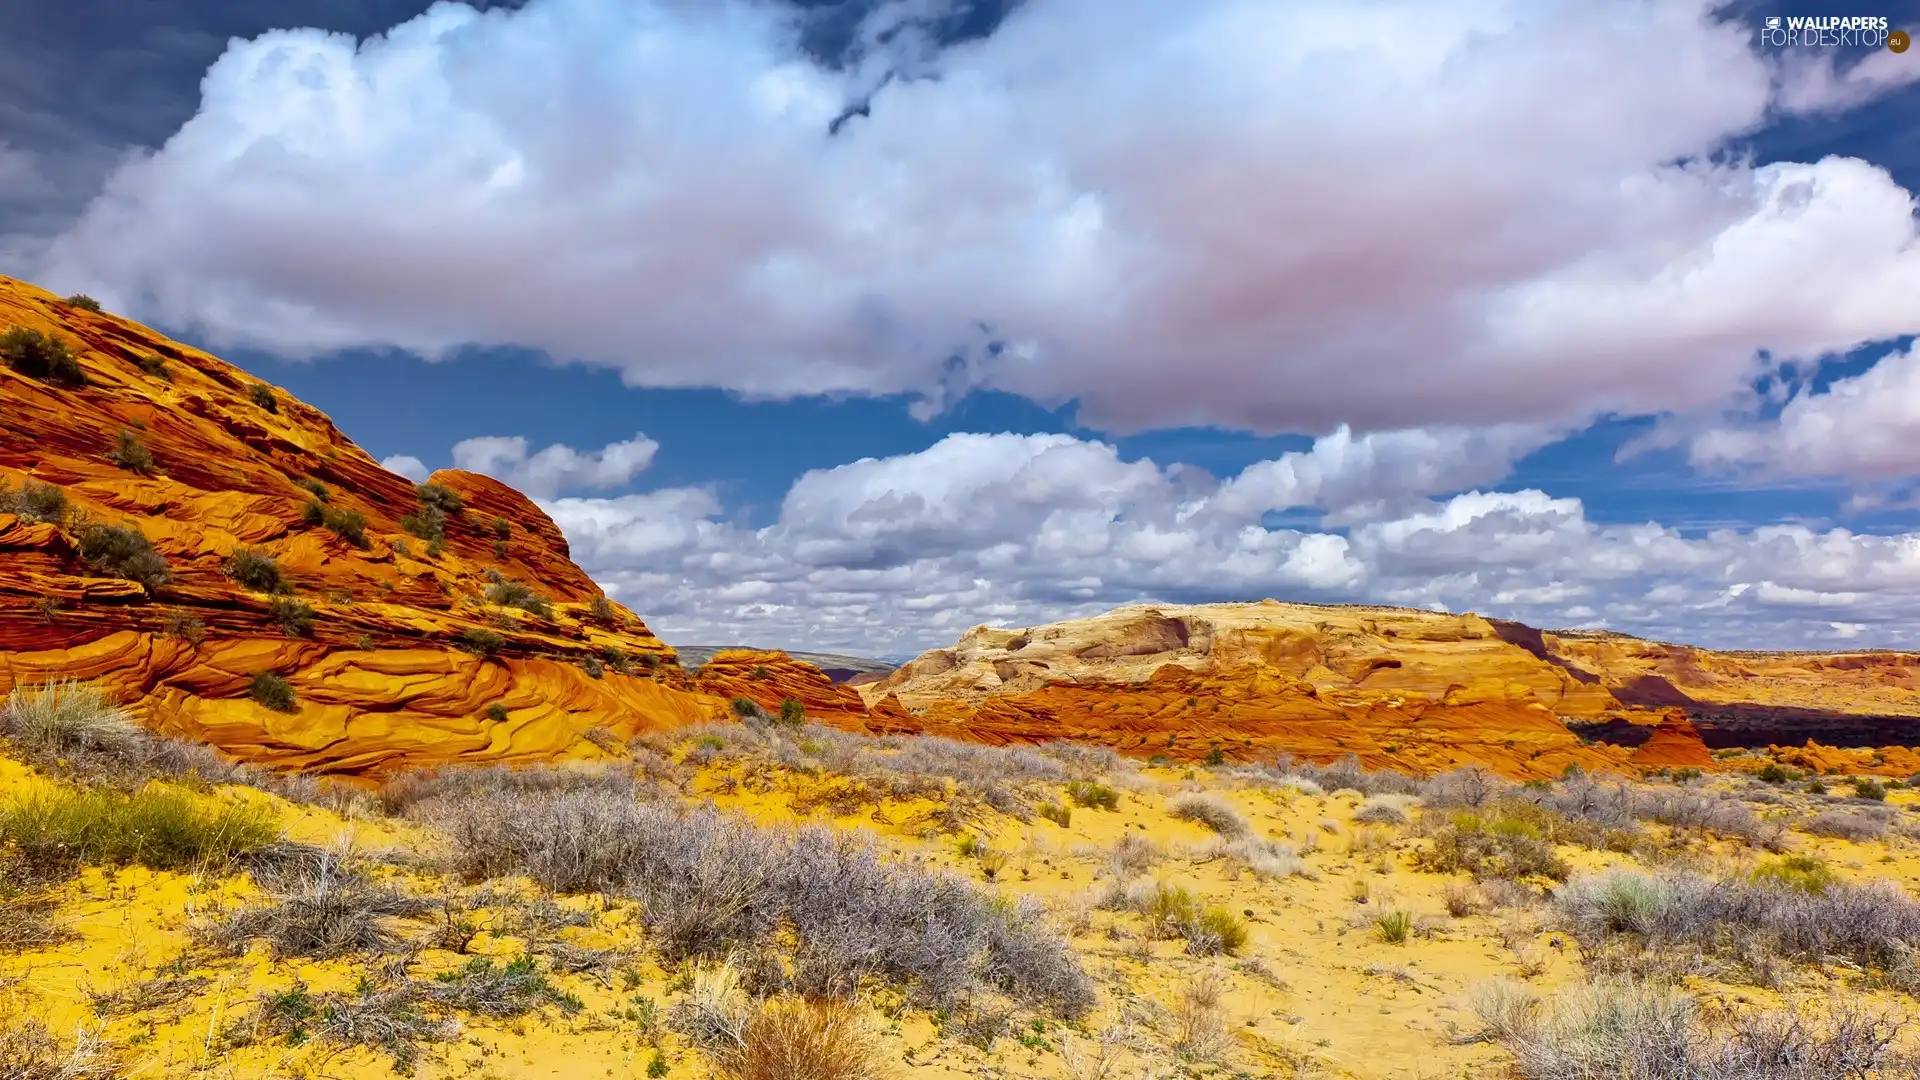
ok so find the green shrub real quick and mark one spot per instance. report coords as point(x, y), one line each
point(34, 502)
point(156, 827)
point(263, 396)
point(1510, 841)
point(41, 356)
point(443, 499)
point(428, 523)
point(1215, 931)
point(497, 713)
point(155, 366)
point(500, 549)
point(502, 528)
point(592, 667)
point(601, 610)
point(1803, 872)
point(519, 595)
point(1090, 794)
point(349, 525)
point(316, 488)
point(124, 552)
point(760, 672)
point(83, 302)
point(294, 616)
point(1773, 773)
point(273, 691)
point(792, 713)
point(480, 642)
point(746, 708)
point(1394, 927)
point(254, 569)
point(1057, 813)
point(1866, 787)
point(435, 548)
point(130, 453)
point(615, 659)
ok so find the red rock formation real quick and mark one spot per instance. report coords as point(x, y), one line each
point(769, 679)
point(377, 663)
point(1674, 744)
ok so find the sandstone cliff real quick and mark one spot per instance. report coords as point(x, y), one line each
point(178, 529)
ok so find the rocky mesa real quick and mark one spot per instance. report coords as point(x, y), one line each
point(227, 562)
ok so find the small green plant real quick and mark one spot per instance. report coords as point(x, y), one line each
point(1804, 873)
point(1866, 787)
point(123, 552)
point(515, 594)
point(315, 488)
point(441, 498)
point(1215, 757)
point(155, 366)
point(502, 528)
point(792, 713)
point(593, 668)
point(364, 642)
point(435, 548)
point(657, 1065)
point(273, 691)
point(500, 549)
point(480, 642)
point(263, 396)
point(1214, 931)
point(746, 708)
point(1394, 927)
point(992, 861)
point(497, 713)
point(294, 616)
point(760, 672)
point(34, 502)
point(1816, 786)
point(1057, 813)
point(156, 826)
point(600, 609)
point(348, 525)
point(429, 523)
point(41, 356)
point(131, 454)
point(253, 568)
point(1092, 795)
point(83, 302)
point(1773, 773)
point(968, 846)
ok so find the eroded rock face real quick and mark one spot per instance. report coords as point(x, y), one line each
point(769, 679)
point(400, 657)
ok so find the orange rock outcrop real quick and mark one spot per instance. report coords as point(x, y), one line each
point(769, 679)
point(394, 644)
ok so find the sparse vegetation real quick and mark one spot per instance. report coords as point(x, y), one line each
point(123, 552)
point(34, 502)
point(262, 395)
point(428, 523)
point(600, 609)
point(1211, 810)
point(502, 529)
point(156, 827)
point(253, 568)
point(315, 488)
point(295, 617)
point(131, 454)
point(349, 525)
point(443, 499)
point(1090, 794)
point(83, 302)
point(792, 713)
point(41, 356)
point(273, 691)
point(480, 642)
point(517, 594)
point(155, 366)
point(318, 910)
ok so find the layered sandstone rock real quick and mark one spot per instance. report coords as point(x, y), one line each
point(402, 655)
point(770, 679)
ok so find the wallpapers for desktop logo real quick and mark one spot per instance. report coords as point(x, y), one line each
point(1831, 31)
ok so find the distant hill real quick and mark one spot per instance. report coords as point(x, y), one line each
point(838, 668)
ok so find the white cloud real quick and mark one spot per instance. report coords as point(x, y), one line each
point(1285, 217)
point(408, 466)
point(897, 554)
point(1863, 428)
point(1811, 81)
point(558, 467)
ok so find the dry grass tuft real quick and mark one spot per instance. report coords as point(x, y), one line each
point(789, 1038)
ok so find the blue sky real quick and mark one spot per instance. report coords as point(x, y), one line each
point(1033, 337)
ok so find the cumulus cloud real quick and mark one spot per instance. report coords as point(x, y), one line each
point(558, 467)
point(1279, 217)
point(1863, 428)
point(893, 555)
point(408, 466)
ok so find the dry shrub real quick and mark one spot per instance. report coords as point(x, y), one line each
point(1386, 809)
point(28, 1051)
point(789, 1038)
point(1132, 856)
point(321, 912)
point(147, 995)
point(1615, 1028)
point(825, 903)
point(1210, 810)
point(1463, 898)
point(1199, 1019)
point(1266, 860)
point(1859, 826)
